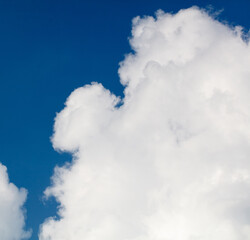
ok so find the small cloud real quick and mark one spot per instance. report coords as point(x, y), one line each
point(12, 213)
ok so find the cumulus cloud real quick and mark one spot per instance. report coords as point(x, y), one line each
point(173, 161)
point(12, 214)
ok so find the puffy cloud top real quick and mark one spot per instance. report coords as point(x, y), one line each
point(172, 163)
point(12, 214)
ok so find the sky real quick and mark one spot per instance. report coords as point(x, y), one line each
point(50, 48)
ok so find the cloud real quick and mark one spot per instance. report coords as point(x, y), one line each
point(172, 162)
point(12, 213)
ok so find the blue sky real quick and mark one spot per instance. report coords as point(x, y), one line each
point(50, 48)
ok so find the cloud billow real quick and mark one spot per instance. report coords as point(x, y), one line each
point(172, 162)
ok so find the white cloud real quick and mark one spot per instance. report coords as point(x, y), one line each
point(12, 213)
point(173, 162)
